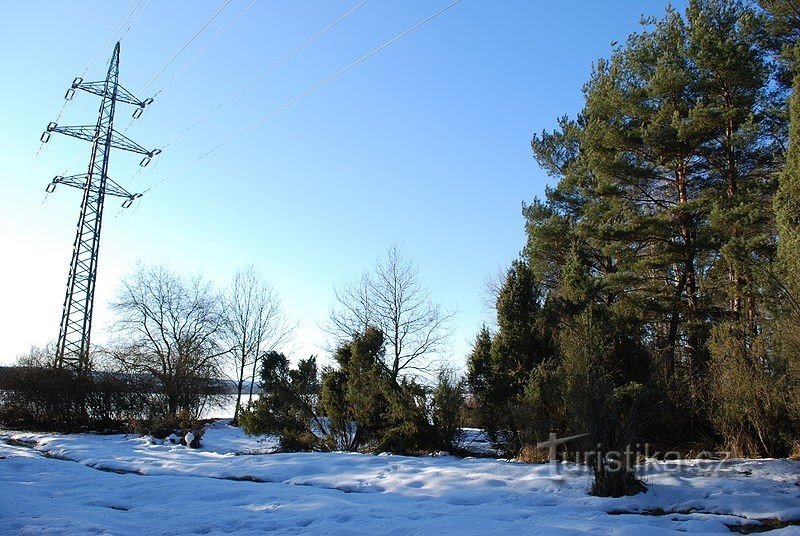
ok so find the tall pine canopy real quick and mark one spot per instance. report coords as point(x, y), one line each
point(662, 231)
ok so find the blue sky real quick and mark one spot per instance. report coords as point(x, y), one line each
point(425, 145)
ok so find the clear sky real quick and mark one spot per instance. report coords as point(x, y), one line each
point(426, 145)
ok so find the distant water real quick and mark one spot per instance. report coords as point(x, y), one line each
point(222, 407)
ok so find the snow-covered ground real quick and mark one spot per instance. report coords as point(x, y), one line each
point(90, 484)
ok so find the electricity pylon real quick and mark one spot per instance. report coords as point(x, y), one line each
point(72, 349)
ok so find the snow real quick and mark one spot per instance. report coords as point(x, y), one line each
point(92, 484)
point(475, 440)
point(222, 438)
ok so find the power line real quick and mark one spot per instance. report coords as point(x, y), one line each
point(197, 55)
point(134, 20)
point(112, 35)
point(189, 42)
point(305, 93)
point(126, 14)
point(72, 349)
point(200, 52)
point(270, 69)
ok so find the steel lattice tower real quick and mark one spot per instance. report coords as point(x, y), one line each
point(72, 349)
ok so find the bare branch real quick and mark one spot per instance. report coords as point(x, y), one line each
point(253, 324)
point(392, 299)
point(168, 328)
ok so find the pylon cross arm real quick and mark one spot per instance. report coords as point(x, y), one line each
point(123, 95)
point(88, 133)
point(76, 316)
point(81, 181)
point(120, 141)
point(84, 132)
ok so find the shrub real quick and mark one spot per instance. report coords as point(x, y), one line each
point(58, 399)
point(750, 393)
point(368, 409)
point(601, 401)
point(164, 426)
point(287, 403)
point(447, 406)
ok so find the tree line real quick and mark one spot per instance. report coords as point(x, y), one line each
point(178, 345)
point(386, 332)
point(656, 297)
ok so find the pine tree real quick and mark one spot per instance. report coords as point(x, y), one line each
point(740, 152)
point(666, 178)
point(368, 410)
point(784, 30)
point(488, 396)
point(642, 142)
point(500, 366)
point(522, 340)
point(287, 405)
point(787, 203)
point(661, 217)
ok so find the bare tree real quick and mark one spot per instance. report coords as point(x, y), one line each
point(254, 324)
point(169, 329)
point(492, 286)
point(39, 357)
point(392, 299)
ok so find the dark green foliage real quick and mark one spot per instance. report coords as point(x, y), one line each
point(405, 427)
point(542, 405)
point(661, 213)
point(787, 204)
point(522, 341)
point(486, 385)
point(649, 304)
point(356, 392)
point(499, 367)
point(341, 428)
point(601, 401)
point(750, 393)
point(367, 409)
point(287, 405)
point(784, 28)
point(681, 160)
point(447, 406)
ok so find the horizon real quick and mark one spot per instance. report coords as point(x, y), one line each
point(425, 145)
